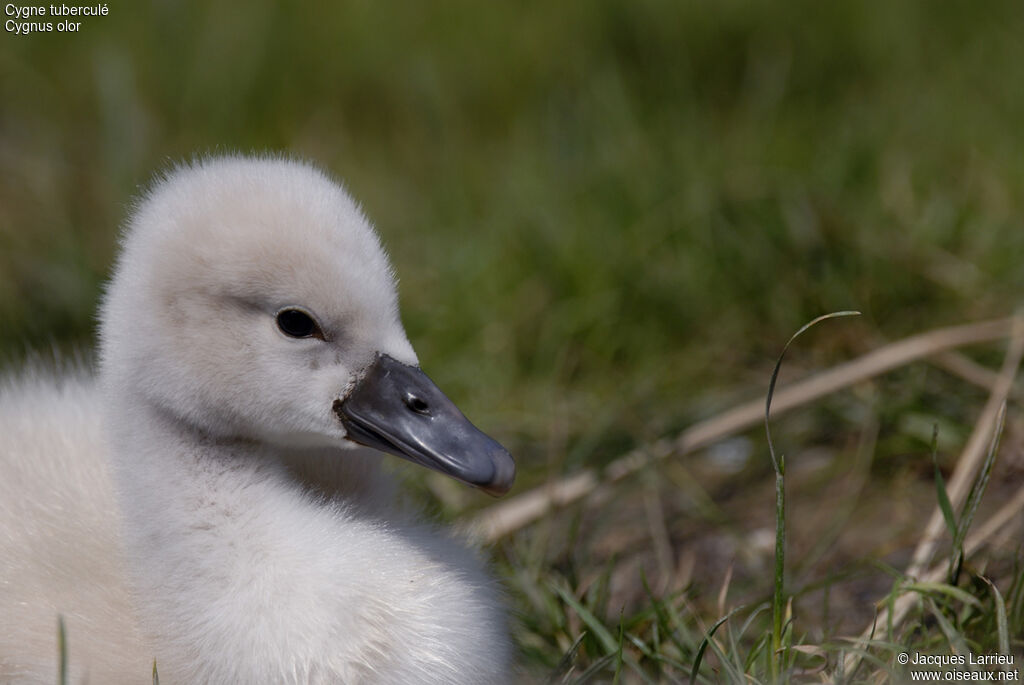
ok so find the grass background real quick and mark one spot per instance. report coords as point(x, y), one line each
point(607, 218)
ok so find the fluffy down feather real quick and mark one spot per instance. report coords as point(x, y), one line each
point(199, 505)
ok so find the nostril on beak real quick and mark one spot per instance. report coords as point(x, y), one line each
point(417, 404)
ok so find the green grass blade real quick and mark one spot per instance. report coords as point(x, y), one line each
point(758, 650)
point(1002, 629)
point(778, 588)
point(655, 656)
point(940, 487)
point(1015, 604)
point(706, 641)
point(753, 615)
point(953, 636)
point(731, 668)
point(943, 589)
point(779, 464)
point(601, 632)
point(62, 652)
point(618, 655)
point(668, 618)
point(660, 615)
point(595, 668)
point(563, 666)
point(775, 377)
point(980, 484)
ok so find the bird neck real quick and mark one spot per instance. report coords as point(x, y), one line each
point(230, 540)
point(251, 563)
point(150, 442)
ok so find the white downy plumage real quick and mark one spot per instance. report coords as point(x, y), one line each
point(203, 503)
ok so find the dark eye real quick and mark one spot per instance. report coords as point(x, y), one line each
point(298, 324)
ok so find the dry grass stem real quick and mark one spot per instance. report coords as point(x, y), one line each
point(523, 509)
point(985, 532)
point(974, 450)
point(997, 522)
point(967, 369)
point(966, 469)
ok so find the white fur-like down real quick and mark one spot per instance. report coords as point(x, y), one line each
point(197, 505)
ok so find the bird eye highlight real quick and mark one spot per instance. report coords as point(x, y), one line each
point(296, 323)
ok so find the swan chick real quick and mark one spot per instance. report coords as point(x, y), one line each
point(215, 500)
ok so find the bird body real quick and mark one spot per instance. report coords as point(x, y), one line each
point(210, 501)
point(60, 551)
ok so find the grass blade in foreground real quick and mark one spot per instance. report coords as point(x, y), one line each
point(779, 463)
point(974, 496)
point(707, 641)
point(62, 652)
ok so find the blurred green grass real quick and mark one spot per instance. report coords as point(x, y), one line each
point(597, 206)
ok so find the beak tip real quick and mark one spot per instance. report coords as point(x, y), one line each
point(503, 474)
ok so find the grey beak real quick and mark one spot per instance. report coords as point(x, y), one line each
point(396, 408)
